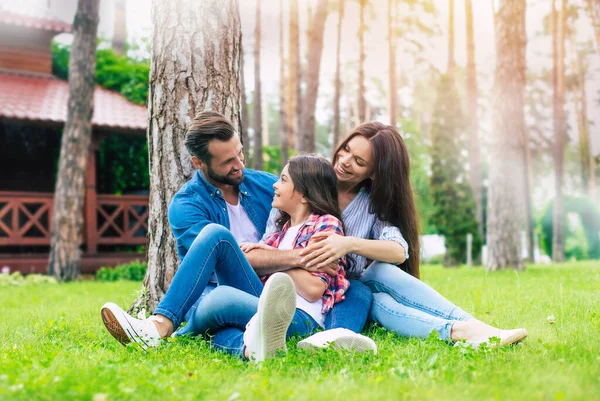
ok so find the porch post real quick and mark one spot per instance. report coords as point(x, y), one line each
point(91, 223)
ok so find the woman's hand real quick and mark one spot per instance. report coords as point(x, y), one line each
point(325, 248)
point(248, 246)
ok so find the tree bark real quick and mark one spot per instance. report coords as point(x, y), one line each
point(195, 66)
point(257, 101)
point(293, 73)
point(67, 217)
point(283, 129)
point(362, 102)
point(338, 80)
point(475, 173)
point(558, 239)
point(392, 54)
point(506, 207)
point(307, 122)
point(245, 120)
point(451, 60)
point(594, 11)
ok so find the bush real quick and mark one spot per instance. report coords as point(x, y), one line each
point(132, 271)
point(436, 259)
point(17, 278)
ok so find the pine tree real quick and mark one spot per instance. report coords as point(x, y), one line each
point(454, 206)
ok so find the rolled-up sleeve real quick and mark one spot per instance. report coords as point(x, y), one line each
point(271, 224)
point(386, 232)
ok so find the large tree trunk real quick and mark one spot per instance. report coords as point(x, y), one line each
point(338, 80)
point(307, 121)
point(245, 120)
point(120, 35)
point(67, 217)
point(195, 66)
point(257, 101)
point(506, 207)
point(580, 103)
point(558, 238)
point(294, 73)
point(283, 129)
point(392, 54)
point(594, 11)
point(475, 173)
point(451, 60)
point(362, 102)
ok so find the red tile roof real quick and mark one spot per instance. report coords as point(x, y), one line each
point(27, 21)
point(44, 98)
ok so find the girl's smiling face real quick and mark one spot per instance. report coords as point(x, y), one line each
point(286, 198)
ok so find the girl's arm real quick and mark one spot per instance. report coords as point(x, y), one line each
point(309, 287)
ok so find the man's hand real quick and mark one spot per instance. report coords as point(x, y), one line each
point(248, 246)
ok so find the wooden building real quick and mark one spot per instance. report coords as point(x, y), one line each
point(33, 110)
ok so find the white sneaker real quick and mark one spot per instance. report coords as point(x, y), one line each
point(265, 333)
point(507, 337)
point(127, 329)
point(340, 339)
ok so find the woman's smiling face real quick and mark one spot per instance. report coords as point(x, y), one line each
point(354, 161)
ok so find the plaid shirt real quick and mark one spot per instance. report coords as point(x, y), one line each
point(336, 285)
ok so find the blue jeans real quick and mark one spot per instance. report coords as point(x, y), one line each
point(408, 306)
point(213, 250)
point(224, 313)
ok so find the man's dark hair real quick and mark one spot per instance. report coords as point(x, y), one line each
point(207, 126)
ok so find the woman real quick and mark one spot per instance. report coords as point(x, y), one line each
point(380, 221)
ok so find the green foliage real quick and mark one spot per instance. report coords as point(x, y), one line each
point(133, 271)
point(454, 206)
point(54, 347)
point(17, 279)
point(113, 71)
point(576, 245)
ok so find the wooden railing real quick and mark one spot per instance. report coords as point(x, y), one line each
point(25, 219)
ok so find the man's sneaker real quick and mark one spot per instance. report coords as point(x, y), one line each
point(128, 329)
point(507, 337)
point(340, 339)
point(265, 333)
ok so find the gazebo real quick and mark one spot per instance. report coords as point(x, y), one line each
point(33, 110)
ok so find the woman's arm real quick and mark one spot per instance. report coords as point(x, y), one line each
point(325, 248)
point(309, 287)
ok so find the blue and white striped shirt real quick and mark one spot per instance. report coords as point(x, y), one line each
point(358, 222)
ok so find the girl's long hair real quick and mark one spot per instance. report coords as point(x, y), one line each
point(315, 179)
point(390, 190)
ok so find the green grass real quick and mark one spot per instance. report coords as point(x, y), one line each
point(53, 346)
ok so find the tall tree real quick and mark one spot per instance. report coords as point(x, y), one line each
point(67, 217)
point(294, 73)
point(199, 33)
point(506, 207)
point(580, 103)
point(392, 55)
point(307, 120)
point(559, 120)
point(257, 101)
point(475, 173)
point(283, 129)
point(245, 118)
point(362, 102)
point(338, 80)
point(120, 32)
point(451, 60)
point(594, 11)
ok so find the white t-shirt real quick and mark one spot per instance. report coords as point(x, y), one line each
point(240, 225)
point(312, 308)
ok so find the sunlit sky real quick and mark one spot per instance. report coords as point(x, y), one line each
point(139, 24)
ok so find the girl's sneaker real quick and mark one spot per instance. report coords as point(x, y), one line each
point(265, 333)
point(340, 339)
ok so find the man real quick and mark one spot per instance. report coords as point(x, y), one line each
point(221, 196)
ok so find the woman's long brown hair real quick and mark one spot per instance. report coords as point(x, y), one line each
point(390, 190)
point(315, 179)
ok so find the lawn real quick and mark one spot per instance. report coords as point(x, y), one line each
point(53, 346)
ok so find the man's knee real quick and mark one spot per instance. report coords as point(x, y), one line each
point(214, 232)
point(360, 291)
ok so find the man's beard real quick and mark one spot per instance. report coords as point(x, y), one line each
point(223, 179)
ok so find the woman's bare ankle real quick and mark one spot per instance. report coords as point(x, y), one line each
point(163, 324)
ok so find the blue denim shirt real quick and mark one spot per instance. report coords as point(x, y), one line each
point(199, 203)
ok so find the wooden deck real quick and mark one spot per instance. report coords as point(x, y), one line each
point(38, 263)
